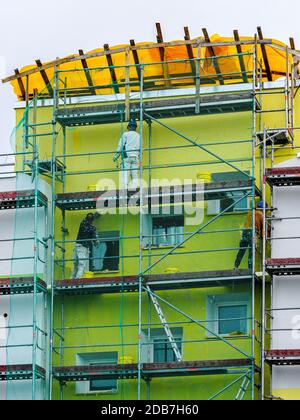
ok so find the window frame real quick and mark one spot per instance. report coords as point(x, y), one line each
point(160, 335)
point(213, 302)
point(149, 241)
point(166, 348)
point(107, 234)
point(231, 305)
point(89, 359)
point(215, 207)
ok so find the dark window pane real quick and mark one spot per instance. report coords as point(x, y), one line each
point(168, 230)
point(105, 256)
point(163, 351)
point(103, 385)
point(229, 321)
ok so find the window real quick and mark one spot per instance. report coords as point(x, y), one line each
point(163, 231)
point(228, 314)
point(232, 319)
point(228, 199)
point(103, 385)
point(106, 255)
point(234, 202)
point(157, 347)
point(97, 385)
point(163, 351)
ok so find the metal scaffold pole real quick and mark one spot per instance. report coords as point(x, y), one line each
point(35, 172)
point(254, 140)
point(141, 278)
point(53, 224)
point(263, 309)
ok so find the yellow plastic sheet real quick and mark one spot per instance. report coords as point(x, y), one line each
point(161, 76)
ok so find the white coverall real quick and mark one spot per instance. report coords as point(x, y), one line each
point(81, 261)
point(130, 143)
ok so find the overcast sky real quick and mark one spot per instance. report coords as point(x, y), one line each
point(31, 29)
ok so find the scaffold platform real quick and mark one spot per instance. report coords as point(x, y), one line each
point(283, 357)
point(20, 285)
point(21, 199)
point(164, 108)
point(151, 196)
point(283, 177)
point(20, 372)
point(158, 282)
point(283, 267)
point(152, 370)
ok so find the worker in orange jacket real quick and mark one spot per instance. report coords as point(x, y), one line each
point(246, 240)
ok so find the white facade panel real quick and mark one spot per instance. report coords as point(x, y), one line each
point(16, 341)
point(286, 290)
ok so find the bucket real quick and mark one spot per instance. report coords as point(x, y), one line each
point(92, 187)
point(89, 275)
point(205, 177)
point(172, 270)
point(126, 360)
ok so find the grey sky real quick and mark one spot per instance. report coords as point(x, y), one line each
point(31, 29)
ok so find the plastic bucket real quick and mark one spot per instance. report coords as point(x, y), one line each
point(205, 177)
point(89, 275)
point(92, 187)
point(126, 360)
point(172, 270)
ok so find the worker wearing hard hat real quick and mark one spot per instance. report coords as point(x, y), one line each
point(129, 150)
point(246, 240)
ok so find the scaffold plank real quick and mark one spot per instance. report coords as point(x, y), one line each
point(20, 199)
point(152, 196)
point(156, 282)
point(283, 357)
point(20, 372)
point(164, 108)
point(20, 285)
point(283, 266)
point(151, 370)
point(277, 137)
point(283, 177)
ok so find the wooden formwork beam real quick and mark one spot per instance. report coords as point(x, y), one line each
point(21, 85)
point(136, 58)
point(45, 77)
point(190, 51)
point(160, 40)
point(241, 58)
point(265, 55)
point(111, 68)
point(87, 73)
point(213, 54)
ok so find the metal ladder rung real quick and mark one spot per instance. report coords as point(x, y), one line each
point(165, 325)
point(244, 388)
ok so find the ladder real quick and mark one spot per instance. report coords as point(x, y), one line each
point(165, 325)
point(244, 387)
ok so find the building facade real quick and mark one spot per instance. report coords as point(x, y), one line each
point(164, 309)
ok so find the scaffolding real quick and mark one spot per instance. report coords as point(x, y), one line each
point(245, 93)
point(273, 141)
point(34, 203)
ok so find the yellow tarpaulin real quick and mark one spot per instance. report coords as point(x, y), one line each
point(224, 70)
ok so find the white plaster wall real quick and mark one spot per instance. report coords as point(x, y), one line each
point(18, 338)
point(286, 290)
point(286, 377)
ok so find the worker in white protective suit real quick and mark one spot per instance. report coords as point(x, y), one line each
point(129, 150)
